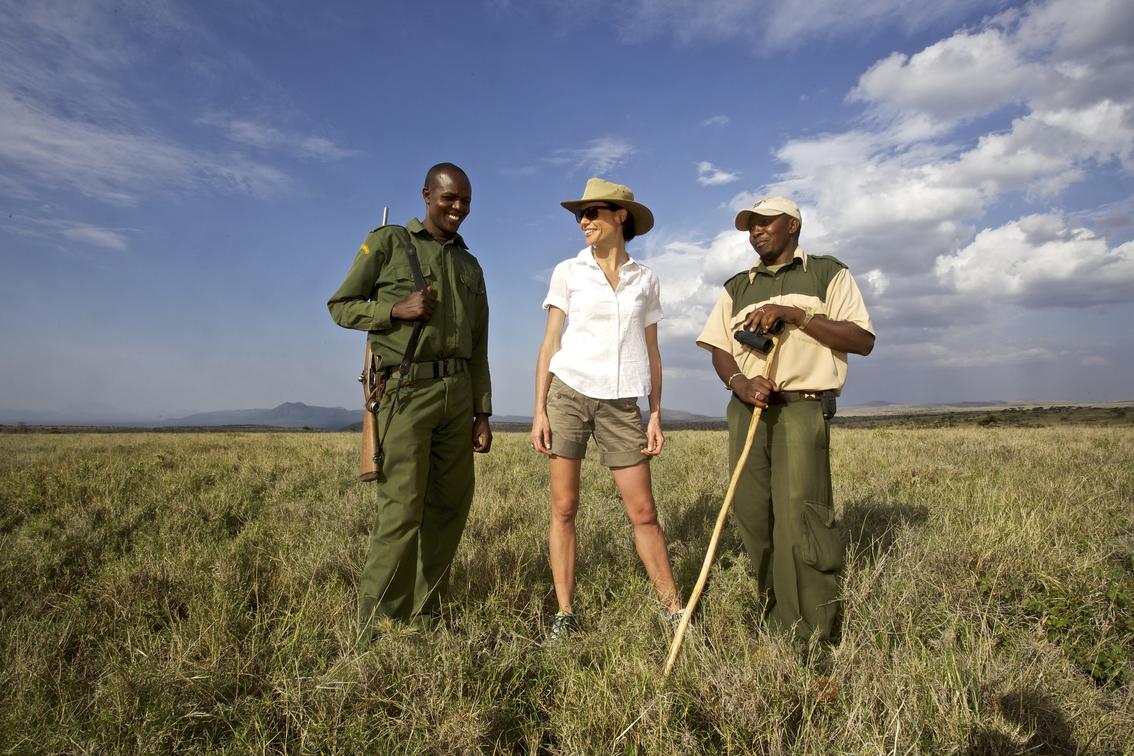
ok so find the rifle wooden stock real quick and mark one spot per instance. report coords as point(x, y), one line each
point(372, 384)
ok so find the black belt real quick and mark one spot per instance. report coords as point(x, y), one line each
point(420, 371)
point(787, 397)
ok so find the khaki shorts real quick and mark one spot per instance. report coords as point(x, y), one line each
point(616, 425)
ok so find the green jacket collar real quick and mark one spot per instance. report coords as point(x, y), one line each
point(417, 228)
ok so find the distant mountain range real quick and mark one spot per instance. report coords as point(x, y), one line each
point(299, 415)
point(286, 415)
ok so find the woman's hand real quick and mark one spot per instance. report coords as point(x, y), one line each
point(541, 434)
point(655, 439)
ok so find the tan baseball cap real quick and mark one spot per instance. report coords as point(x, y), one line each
point(601, 190)
point(769, 207)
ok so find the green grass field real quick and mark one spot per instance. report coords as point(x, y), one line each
point(180, 593)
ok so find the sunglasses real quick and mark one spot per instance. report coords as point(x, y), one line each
point(590, 213)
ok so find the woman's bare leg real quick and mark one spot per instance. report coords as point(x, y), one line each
point(561, 533)
point(637, 496)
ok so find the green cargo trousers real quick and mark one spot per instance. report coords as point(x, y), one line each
point(785, 512)
point(425, 490)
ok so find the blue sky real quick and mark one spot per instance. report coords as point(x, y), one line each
point(184, 184)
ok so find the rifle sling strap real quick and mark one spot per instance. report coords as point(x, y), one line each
point(419, 282)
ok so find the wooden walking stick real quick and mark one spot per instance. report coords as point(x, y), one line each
point(679, 636)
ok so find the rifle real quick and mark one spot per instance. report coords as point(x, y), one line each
point(373, 382)
point(372, 385)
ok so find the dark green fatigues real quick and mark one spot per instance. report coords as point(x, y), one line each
point(783, 506)
point(425, 487)
point(785, 513)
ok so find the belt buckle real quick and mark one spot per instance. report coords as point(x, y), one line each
point(812, 395)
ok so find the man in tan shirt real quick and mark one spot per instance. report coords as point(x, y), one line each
point(783, 503)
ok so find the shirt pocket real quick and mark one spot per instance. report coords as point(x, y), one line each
point(471, 283)
point(397, 280)
point(638, 300)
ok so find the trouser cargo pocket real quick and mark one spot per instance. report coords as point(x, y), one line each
point(824, 546)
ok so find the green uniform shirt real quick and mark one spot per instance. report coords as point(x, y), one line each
point(381, 276)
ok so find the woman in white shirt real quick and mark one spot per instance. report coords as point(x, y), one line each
point(589, 378)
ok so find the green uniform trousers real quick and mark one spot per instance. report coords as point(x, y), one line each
point(784, 509)
point(425, 490)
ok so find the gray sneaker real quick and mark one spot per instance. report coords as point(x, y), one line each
point(562, 625)
point(673, 619)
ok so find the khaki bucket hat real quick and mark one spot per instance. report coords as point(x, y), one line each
point(601, 190)
point(769, 207)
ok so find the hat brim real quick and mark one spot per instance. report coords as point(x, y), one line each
point(744, 218)
point(643, 218)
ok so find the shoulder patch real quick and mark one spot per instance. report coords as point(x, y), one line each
point(375, 241)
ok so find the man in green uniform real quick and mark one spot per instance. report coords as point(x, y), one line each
point(437, 416)
point(783, 503)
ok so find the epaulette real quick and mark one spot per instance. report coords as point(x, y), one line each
point(741, 275)
point(831, 258)
point(371, 244)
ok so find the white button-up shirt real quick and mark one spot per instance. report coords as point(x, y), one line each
point(603, 349)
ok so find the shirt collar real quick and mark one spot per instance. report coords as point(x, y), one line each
point(417, 228)
point(760, 267)
point(586, 257)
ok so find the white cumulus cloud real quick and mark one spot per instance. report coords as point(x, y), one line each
point(970, 132)
point(1041, 261)
point(908, 185)
point(692, 275)
point(710, 175)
